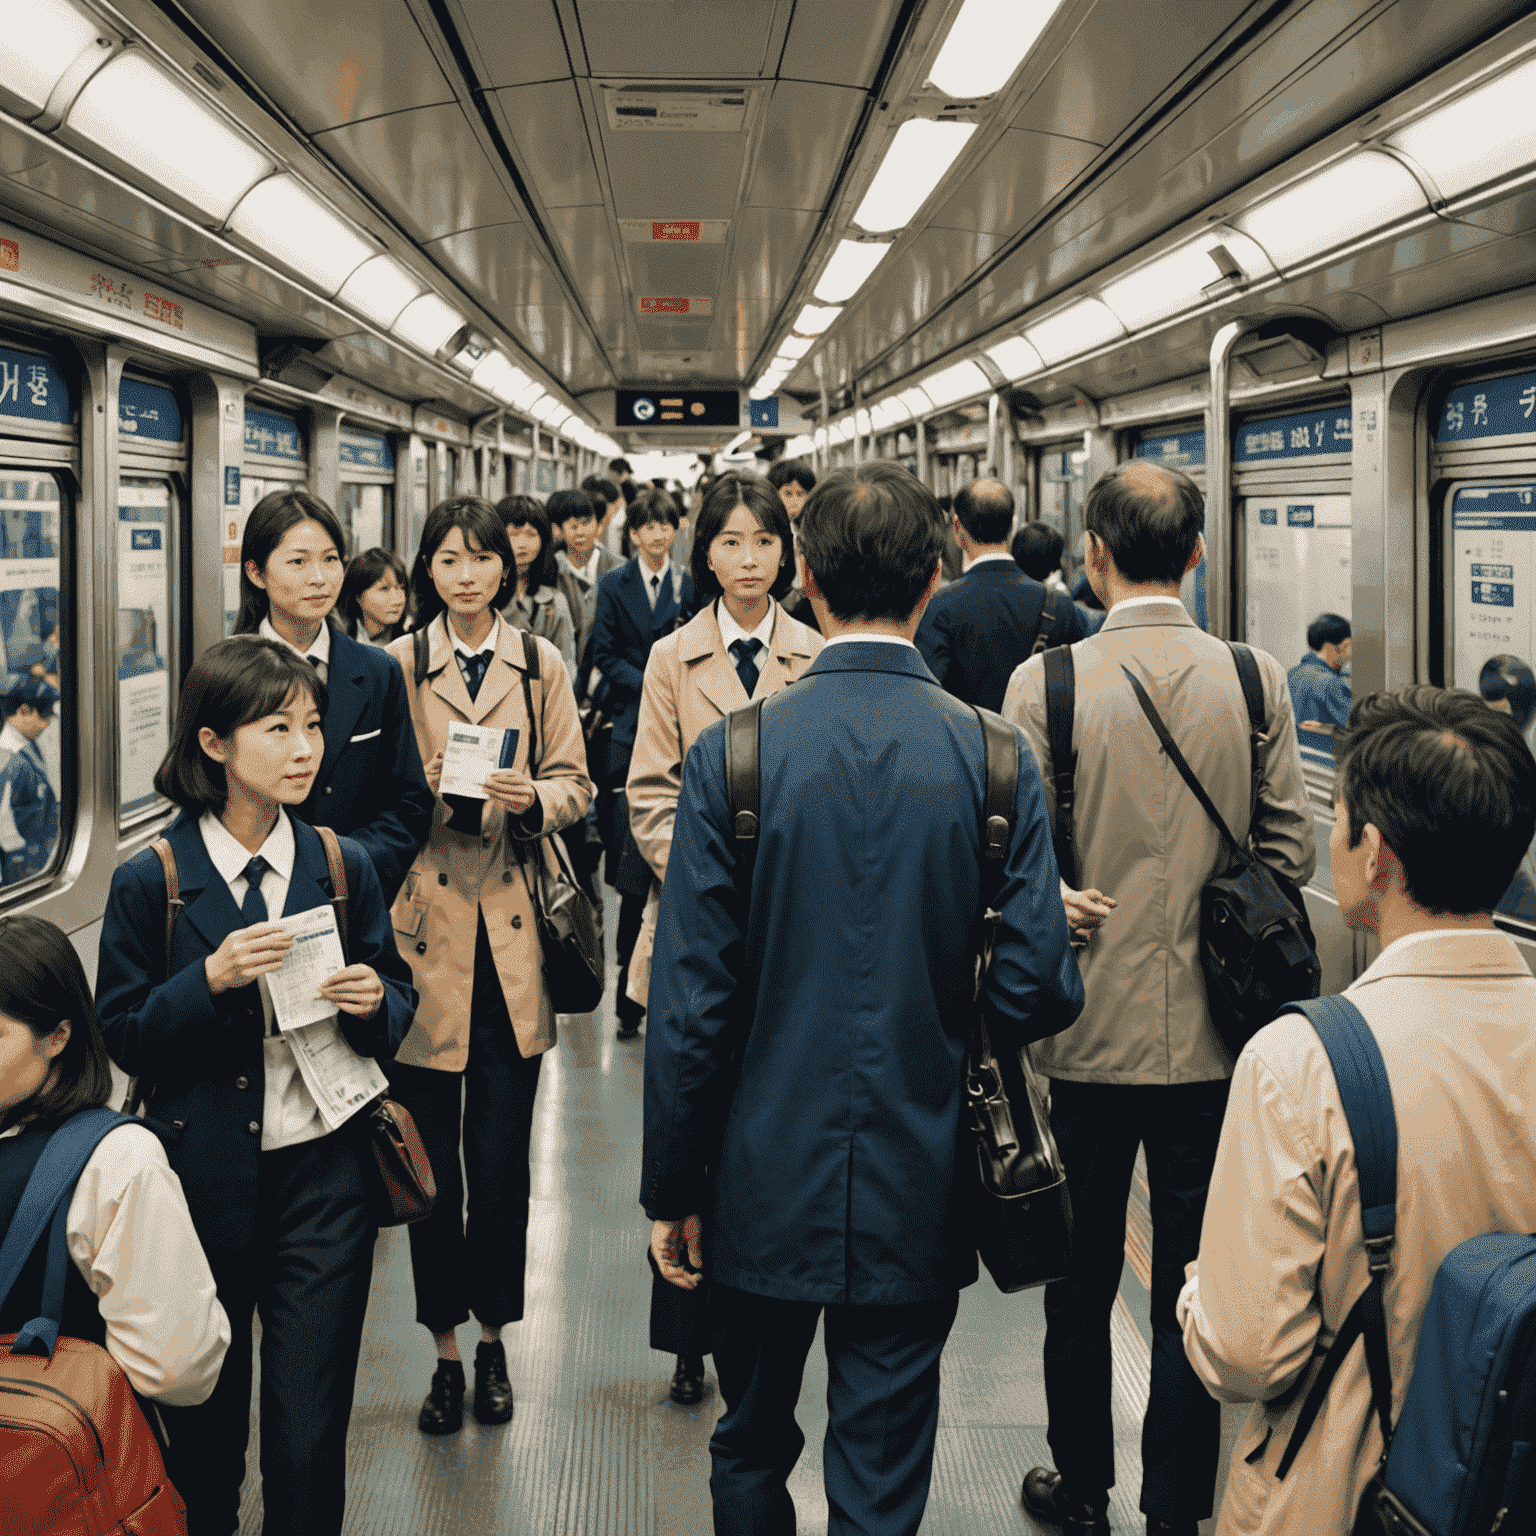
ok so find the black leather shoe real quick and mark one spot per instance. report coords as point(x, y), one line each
point(1172, 1527)
point(443, 1411)
point(493, 1392)
point(1046, 1498)
point(688, 1382)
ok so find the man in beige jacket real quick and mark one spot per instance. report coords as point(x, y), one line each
point(1437, 805)
point(1143, 1064)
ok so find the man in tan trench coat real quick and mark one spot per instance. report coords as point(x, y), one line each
point(1437, 804)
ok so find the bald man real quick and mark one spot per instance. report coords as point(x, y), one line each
point(978, 630)
point(1143, 1066)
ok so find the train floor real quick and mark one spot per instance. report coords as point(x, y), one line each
point(596, 1448)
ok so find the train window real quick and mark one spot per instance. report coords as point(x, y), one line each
point(366, 503)
point(145, 593)
point(545, 482)
point(1063, 490)
point(37, 714)
point(274, 460)
point(520, 476)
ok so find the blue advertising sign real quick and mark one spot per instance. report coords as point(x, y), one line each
point(231, 485)
point(1270, 515)
point(763, 413)
point(1181, 450)
point(269, 435)
point(1508, 507)
point(1304, 435)
point(1298, 517)
point(148, 412)
point(32, 388)
point(142, 538)
point(367, 451)
point(1489, 408)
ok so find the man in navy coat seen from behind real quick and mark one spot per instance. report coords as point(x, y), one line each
point(977, 631)
point(839, 1184)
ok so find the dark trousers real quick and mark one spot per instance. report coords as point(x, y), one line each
point(631, 915)
point(882, 1411)
point(475, 1267)
point(306, 1271)
point(1098, 1127)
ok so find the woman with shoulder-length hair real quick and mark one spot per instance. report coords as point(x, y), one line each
point(465, 921)
point(372, 605)
point(270, 1154)
point(535, 602)
point(740, 646)
point(370, 786)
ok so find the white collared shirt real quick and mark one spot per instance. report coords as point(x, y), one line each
point(131, 1237)
point(1138, 602)
point(588, 572)
point(868, 640)
point(320, 650)
point(971, 565)
point(731, 631)
point(1436, 933)
point(667, 573)
point(289, 1114)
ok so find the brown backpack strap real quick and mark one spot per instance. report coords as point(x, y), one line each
point(173, 901)
point(338, 871)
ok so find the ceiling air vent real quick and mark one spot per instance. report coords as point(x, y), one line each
point(1292, 344)
point(675, 108)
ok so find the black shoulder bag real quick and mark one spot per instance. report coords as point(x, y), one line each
point(1256, 948)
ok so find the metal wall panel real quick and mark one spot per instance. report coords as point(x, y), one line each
point(804, 139)
point(1020, 174)
point(675, 175)
point(510, 47)
point(638, 39)
point(837, 43)
point(586, 242)
point(546, 126)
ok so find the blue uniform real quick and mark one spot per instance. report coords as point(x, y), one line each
point(1318, 693)
point(34, 810)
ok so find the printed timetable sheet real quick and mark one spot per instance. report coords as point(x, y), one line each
point(316, 956)
point(473, 751)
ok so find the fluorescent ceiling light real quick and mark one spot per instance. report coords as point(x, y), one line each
point(915, 399)
point(426, 323)
point(861, 422)
point(1478, 137)
point(815, 318)
point(841, 429)
point(493, 369)
point(915, 162)
point(796, 447)
point(819, 437)
point(1078, 328)
point(511, 385)
point(140, 116)
point(540, 406)
point(42, 39)
point(379, 290)
point(557, 418)
point(1016, 358)
point(1178, 279)
point(763, 388)
point(1347, 200)
point(796, 346)
point(849, 269)
point(287, 221)
point(524, 398)
point(988, 41)
point(956, 382)
point(889, 413)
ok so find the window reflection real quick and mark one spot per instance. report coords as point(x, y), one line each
point(144, 598)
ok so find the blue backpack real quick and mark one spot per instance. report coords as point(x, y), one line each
point(1459, 1461)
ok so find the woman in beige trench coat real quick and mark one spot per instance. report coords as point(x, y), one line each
point(743, 559)
point(464, 921)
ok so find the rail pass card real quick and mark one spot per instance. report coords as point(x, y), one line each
point(473, 751)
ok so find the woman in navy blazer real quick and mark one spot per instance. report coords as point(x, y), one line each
point(273, 1169)
point(370, 785)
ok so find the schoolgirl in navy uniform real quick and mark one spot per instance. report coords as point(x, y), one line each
point(280, 1203)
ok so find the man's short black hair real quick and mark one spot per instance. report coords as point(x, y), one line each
point(1037, 550)
point(1151, 534)
point(652, 506)
point(1327, 629)
point(797, 470)
point(985, 510)
point(1507, 677)
point(562, 506)
point(620, 466)
point(873, 537)
point(599, 485)
point(1451, 786)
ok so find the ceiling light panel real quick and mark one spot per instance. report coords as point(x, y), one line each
point(916, 161)
point(915, 399)
point(815, 318)
point(140, 116)
point(1078, 328)
point(1349, 199)
point(1178, 280)
point(379, 290)
point(524, 398)
point(41, 39)
point(861, 422)
point(849, 269)
point(492, 369)
point(987, 42)
point(957, 382)
point(795, 347)
point(426, 323)
point(1479, 137)
point(286, 220)
point(889, 413)
point(1016, 358)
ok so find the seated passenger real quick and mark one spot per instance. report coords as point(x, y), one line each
point(274, 1176)
point(371, 607)
point(1318, 694)
point(140, 1284)
point(534, 601)
point(1036, 550)
point(1436, 803)
point(29, 808)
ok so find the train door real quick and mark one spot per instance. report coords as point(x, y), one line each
point(276, 458)
point(365, 500)
point(1292, 524)
point(1483, 469)
point(1063, 488)
point(151, 520)
point(1181, 446)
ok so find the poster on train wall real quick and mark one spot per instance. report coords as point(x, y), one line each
point(143, 638)
point(1297, 568)
point(1493, 528)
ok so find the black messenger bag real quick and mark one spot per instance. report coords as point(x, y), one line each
point(1256, 945)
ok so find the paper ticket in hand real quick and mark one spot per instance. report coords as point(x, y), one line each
point(472, 752)
point(316, 956)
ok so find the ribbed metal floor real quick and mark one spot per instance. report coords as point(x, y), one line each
point(596, 1448)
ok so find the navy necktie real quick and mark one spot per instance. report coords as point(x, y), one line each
point(745, 652)
point(254, 908)
point(474, 670)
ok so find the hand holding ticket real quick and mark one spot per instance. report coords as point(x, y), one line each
point(472, 753)
point(316, 956)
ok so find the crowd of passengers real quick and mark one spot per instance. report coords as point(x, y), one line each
point(806, 1030)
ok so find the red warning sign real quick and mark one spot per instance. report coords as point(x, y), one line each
point(675, 229)
point(660, 306)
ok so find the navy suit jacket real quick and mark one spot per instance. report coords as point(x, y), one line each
point(843, 993)
point(371, 786)
point(203, 1054)
point(978, 631)
point(1318, 693)
point(624, 629)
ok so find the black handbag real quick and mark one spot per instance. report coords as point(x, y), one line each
point(1022, 1210)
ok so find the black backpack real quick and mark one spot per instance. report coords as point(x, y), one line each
point(1256, 945)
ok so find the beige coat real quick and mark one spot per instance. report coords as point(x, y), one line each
point(1281, 1260)
point(1142, 837)
point(690, 682)
point(457, 875)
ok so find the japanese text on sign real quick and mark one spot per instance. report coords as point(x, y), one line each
point(1183, 450)
point(31, 387)
point(1489, 408)
point(269, 435)
point(1304, 435)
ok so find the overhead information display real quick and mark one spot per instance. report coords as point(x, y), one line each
point(677, 408)
point(1493, 528)
point(1298, 568)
